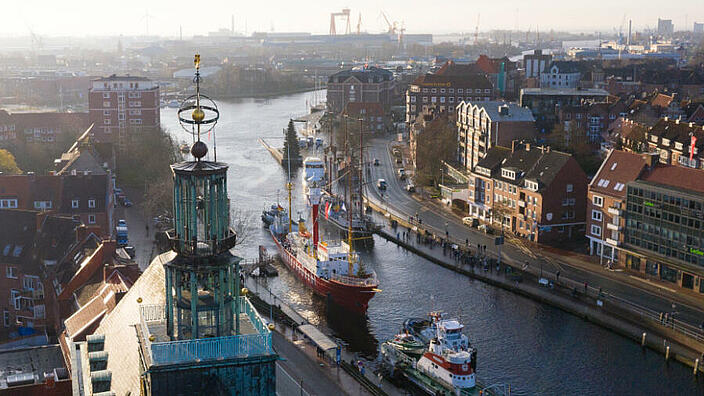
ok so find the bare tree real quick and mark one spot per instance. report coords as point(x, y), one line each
point(243, 223)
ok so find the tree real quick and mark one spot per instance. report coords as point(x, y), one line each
point(437, 142)
point(499, 212)
point(291, 151)
point(573, 140)
point(8, 164)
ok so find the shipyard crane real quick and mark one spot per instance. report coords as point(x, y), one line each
point(393, 27)
point(345, 14)
point(359, 24)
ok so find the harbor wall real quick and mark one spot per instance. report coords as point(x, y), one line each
point(589, 306)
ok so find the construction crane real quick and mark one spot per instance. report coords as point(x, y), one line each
point(476, 31)
point(345, 14)
point(359, 24)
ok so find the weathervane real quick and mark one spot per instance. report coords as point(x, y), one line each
point(198, 111)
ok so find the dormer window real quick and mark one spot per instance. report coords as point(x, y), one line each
point(678, 146)
point(666, 142)
point(531, 185)
point(509, 174)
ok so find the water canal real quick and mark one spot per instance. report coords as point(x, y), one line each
point(537, 349)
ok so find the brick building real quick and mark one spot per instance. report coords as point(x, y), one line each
point(540, 193)
point(28, 240)
point(545, 103)
point(48, 128)
point(446, 88)
point(591, 119)
point(120, 104)
point(606, 199)
point(674, 140)
point(360, 84)
point(375, 119)
point(483, 125)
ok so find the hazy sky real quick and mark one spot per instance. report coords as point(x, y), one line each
point(101, 17)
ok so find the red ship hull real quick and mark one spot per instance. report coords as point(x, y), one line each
point(351, 297)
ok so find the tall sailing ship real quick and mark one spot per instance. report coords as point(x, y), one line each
point(330, 268)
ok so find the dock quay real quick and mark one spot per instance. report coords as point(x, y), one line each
point(276, 153)
point(293, 327)
point(642, 326)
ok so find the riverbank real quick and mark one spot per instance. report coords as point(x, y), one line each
point(578, 299)
point(270, 94)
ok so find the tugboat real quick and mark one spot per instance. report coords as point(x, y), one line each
point(331, 269)
point(449, 358)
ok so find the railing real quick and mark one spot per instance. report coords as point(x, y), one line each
point(350, 280)
point(210, 348)
point(173, 352)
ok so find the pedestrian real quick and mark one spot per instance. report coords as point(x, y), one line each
point(557, 276)
point(585, 287)
point(661, 316)
point(466, 242)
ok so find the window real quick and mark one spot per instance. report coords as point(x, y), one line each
point(42, 205)
point(28, 283)
point(106, 113)
point(91, 203)
point(91, 219)
point(11, 272)
point(596, 230)
point(106, 121)
point(433, 90)
point(74, 204)
point(106, 95)
point(15, 296)
point(509, 174)
point(598, 201)
point(433, 99)
point(425, 99)
point(6, 318)
point(570, 188)
point(106, 104)
point(596, 215)
point(8, 204)
point(413, 99)
point(603, 183)
point(442, 99)
point(460, 90)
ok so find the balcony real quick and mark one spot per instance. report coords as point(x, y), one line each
point(613, 242)
point(614, 211)
point(254, 339)
point(521, 203)
point(613, 227)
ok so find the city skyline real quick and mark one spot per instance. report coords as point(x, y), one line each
point(166, 19)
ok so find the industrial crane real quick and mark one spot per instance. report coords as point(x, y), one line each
point(393, 27)
point(476, 30)
point(345, 13)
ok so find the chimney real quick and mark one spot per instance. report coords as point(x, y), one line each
point(81, 232)
point(106, 271)
point(527, 146)
point(677, 121)
point(513, 146)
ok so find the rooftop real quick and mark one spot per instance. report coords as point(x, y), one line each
point(686, 179)
point(619, 168)
point(32, 362)
point(491, 108)
point(564, 92)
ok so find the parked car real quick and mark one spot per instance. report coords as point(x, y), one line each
point(470, 221)
point(410, 187)
point(126, 202)
point(376, 161)
point(381, 184)
point(121, 223)
point(131, 251)
point(402, 173)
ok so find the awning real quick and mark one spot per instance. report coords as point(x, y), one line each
point(319, 339)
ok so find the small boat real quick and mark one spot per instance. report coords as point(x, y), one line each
point(174, 104)
point(407, 344)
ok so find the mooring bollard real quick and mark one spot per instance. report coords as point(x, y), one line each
point(667, 353)
point(642, 340)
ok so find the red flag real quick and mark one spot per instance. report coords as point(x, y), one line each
point(327, 210)
point(691, 147)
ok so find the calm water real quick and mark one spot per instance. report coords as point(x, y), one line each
point(537, 349)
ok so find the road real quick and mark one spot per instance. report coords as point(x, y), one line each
point(402, 204)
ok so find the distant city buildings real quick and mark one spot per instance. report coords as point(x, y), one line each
point(119, 105)
point(41, 128)
point(366, 84)
point(665, 27)
point(536, 63)
point(561, 74)
point(483, 125)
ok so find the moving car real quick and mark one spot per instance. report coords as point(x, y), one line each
point(376, 161)
point(470, 221)
point(381, 184)
point(410, 187)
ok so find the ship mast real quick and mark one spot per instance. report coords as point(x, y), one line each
point(289, 187)
point(361, 169)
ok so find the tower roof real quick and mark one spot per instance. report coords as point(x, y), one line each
point(199, 167)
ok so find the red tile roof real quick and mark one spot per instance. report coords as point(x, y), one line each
point(676, 176)
point(355, 108)
point(661, 100)
point(619, 168)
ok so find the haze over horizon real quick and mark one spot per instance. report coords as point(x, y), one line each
point(83, 18)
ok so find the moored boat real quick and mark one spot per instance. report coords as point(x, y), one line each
point(407, 344)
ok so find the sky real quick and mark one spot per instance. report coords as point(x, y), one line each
point(129, 17)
